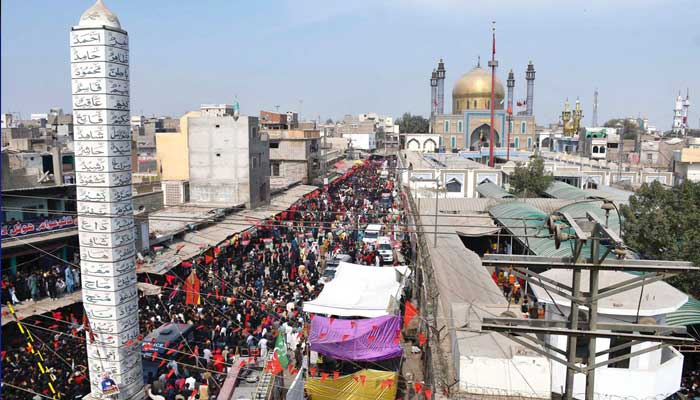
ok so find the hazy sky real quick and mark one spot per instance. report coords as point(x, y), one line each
point(340, 57)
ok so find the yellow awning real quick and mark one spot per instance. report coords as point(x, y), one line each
point(375, 385)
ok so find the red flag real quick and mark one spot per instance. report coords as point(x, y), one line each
point(191, 289)
point(409, 314)
point(344, 338)
point(154, 356)
point(276, 365)
point(330, 321)
point(428, 394)
point(57, 315)
point(242, 364)
point(208, 259)
point(171, 351)
point(196, 351)
point(421, 338)
point(418, 386)
point(322, 335)
point(170, 373)
point(371, 338)
point(336, 374)
point(362, 378)
point(388, 383)
point(313, 371)
point(397, 338)
point(170, 279)
point(324, 375)
point(353, 324)
point(161, 363)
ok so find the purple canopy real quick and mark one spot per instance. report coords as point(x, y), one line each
point(368, 339)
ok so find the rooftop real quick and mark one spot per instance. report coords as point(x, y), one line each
point(658, 298)
point(194, 242)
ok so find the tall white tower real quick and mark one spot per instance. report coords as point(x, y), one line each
point(678, 116)
point(686, 106)
point(99, 54)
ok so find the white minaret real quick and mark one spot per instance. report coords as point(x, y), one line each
point(99, 51)
point(686, 106)
point(678, 116)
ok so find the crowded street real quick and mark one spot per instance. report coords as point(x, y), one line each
point(238, 297)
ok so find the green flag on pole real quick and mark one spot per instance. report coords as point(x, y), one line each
point(281, 349)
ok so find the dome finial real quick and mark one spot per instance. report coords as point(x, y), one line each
point(99, 16)
point(478, 61)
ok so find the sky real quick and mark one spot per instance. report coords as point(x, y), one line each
point(328, 58)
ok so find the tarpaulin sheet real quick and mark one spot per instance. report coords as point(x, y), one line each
point(360, 291)
point(362, 385)
point(371, 339)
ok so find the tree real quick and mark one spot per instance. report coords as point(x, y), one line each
point(413, 124)
point(631, 128)
point(530, 180)
point(664, 223)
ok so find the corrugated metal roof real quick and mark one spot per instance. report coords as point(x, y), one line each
point(490, 189)
point(527, 222)
point(610, 193)
point(562, 190)
point(688, 314)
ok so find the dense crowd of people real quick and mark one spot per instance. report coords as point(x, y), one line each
point(36, 285)
point(63, 357)
point(252, 289)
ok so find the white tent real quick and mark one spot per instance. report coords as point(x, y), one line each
point(360, 291)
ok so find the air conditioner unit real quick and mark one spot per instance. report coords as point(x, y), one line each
point(175, 192)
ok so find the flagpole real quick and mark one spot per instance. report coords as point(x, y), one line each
point(493, 65)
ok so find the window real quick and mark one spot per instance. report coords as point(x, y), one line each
point(529, 143)
point(440, 141)
point(217, 126)
point(274, 145)
point(595, 149)
point(602, 149)
point(523, 127)
point(488, 104)
point(475, 104)
point(453, 141)
point(517, 142)
point(255, 162)
point(447, 126)
point(649, 157)
point(468, 103)
point(275, 169)
point(459, 126)
point(510, 126)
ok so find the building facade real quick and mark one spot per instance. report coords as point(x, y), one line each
point(469, 125)
point(229, 158)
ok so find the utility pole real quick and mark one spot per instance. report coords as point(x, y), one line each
point(528, 332)
point(493, 64)
point(621, 149)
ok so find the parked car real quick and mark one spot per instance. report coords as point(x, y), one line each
point(372, 233)
point(332, 266)
point(385, 249)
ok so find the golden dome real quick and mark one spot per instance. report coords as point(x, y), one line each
point(475, 86)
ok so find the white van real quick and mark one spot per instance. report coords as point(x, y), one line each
point(385, 249)
point(372, 233)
